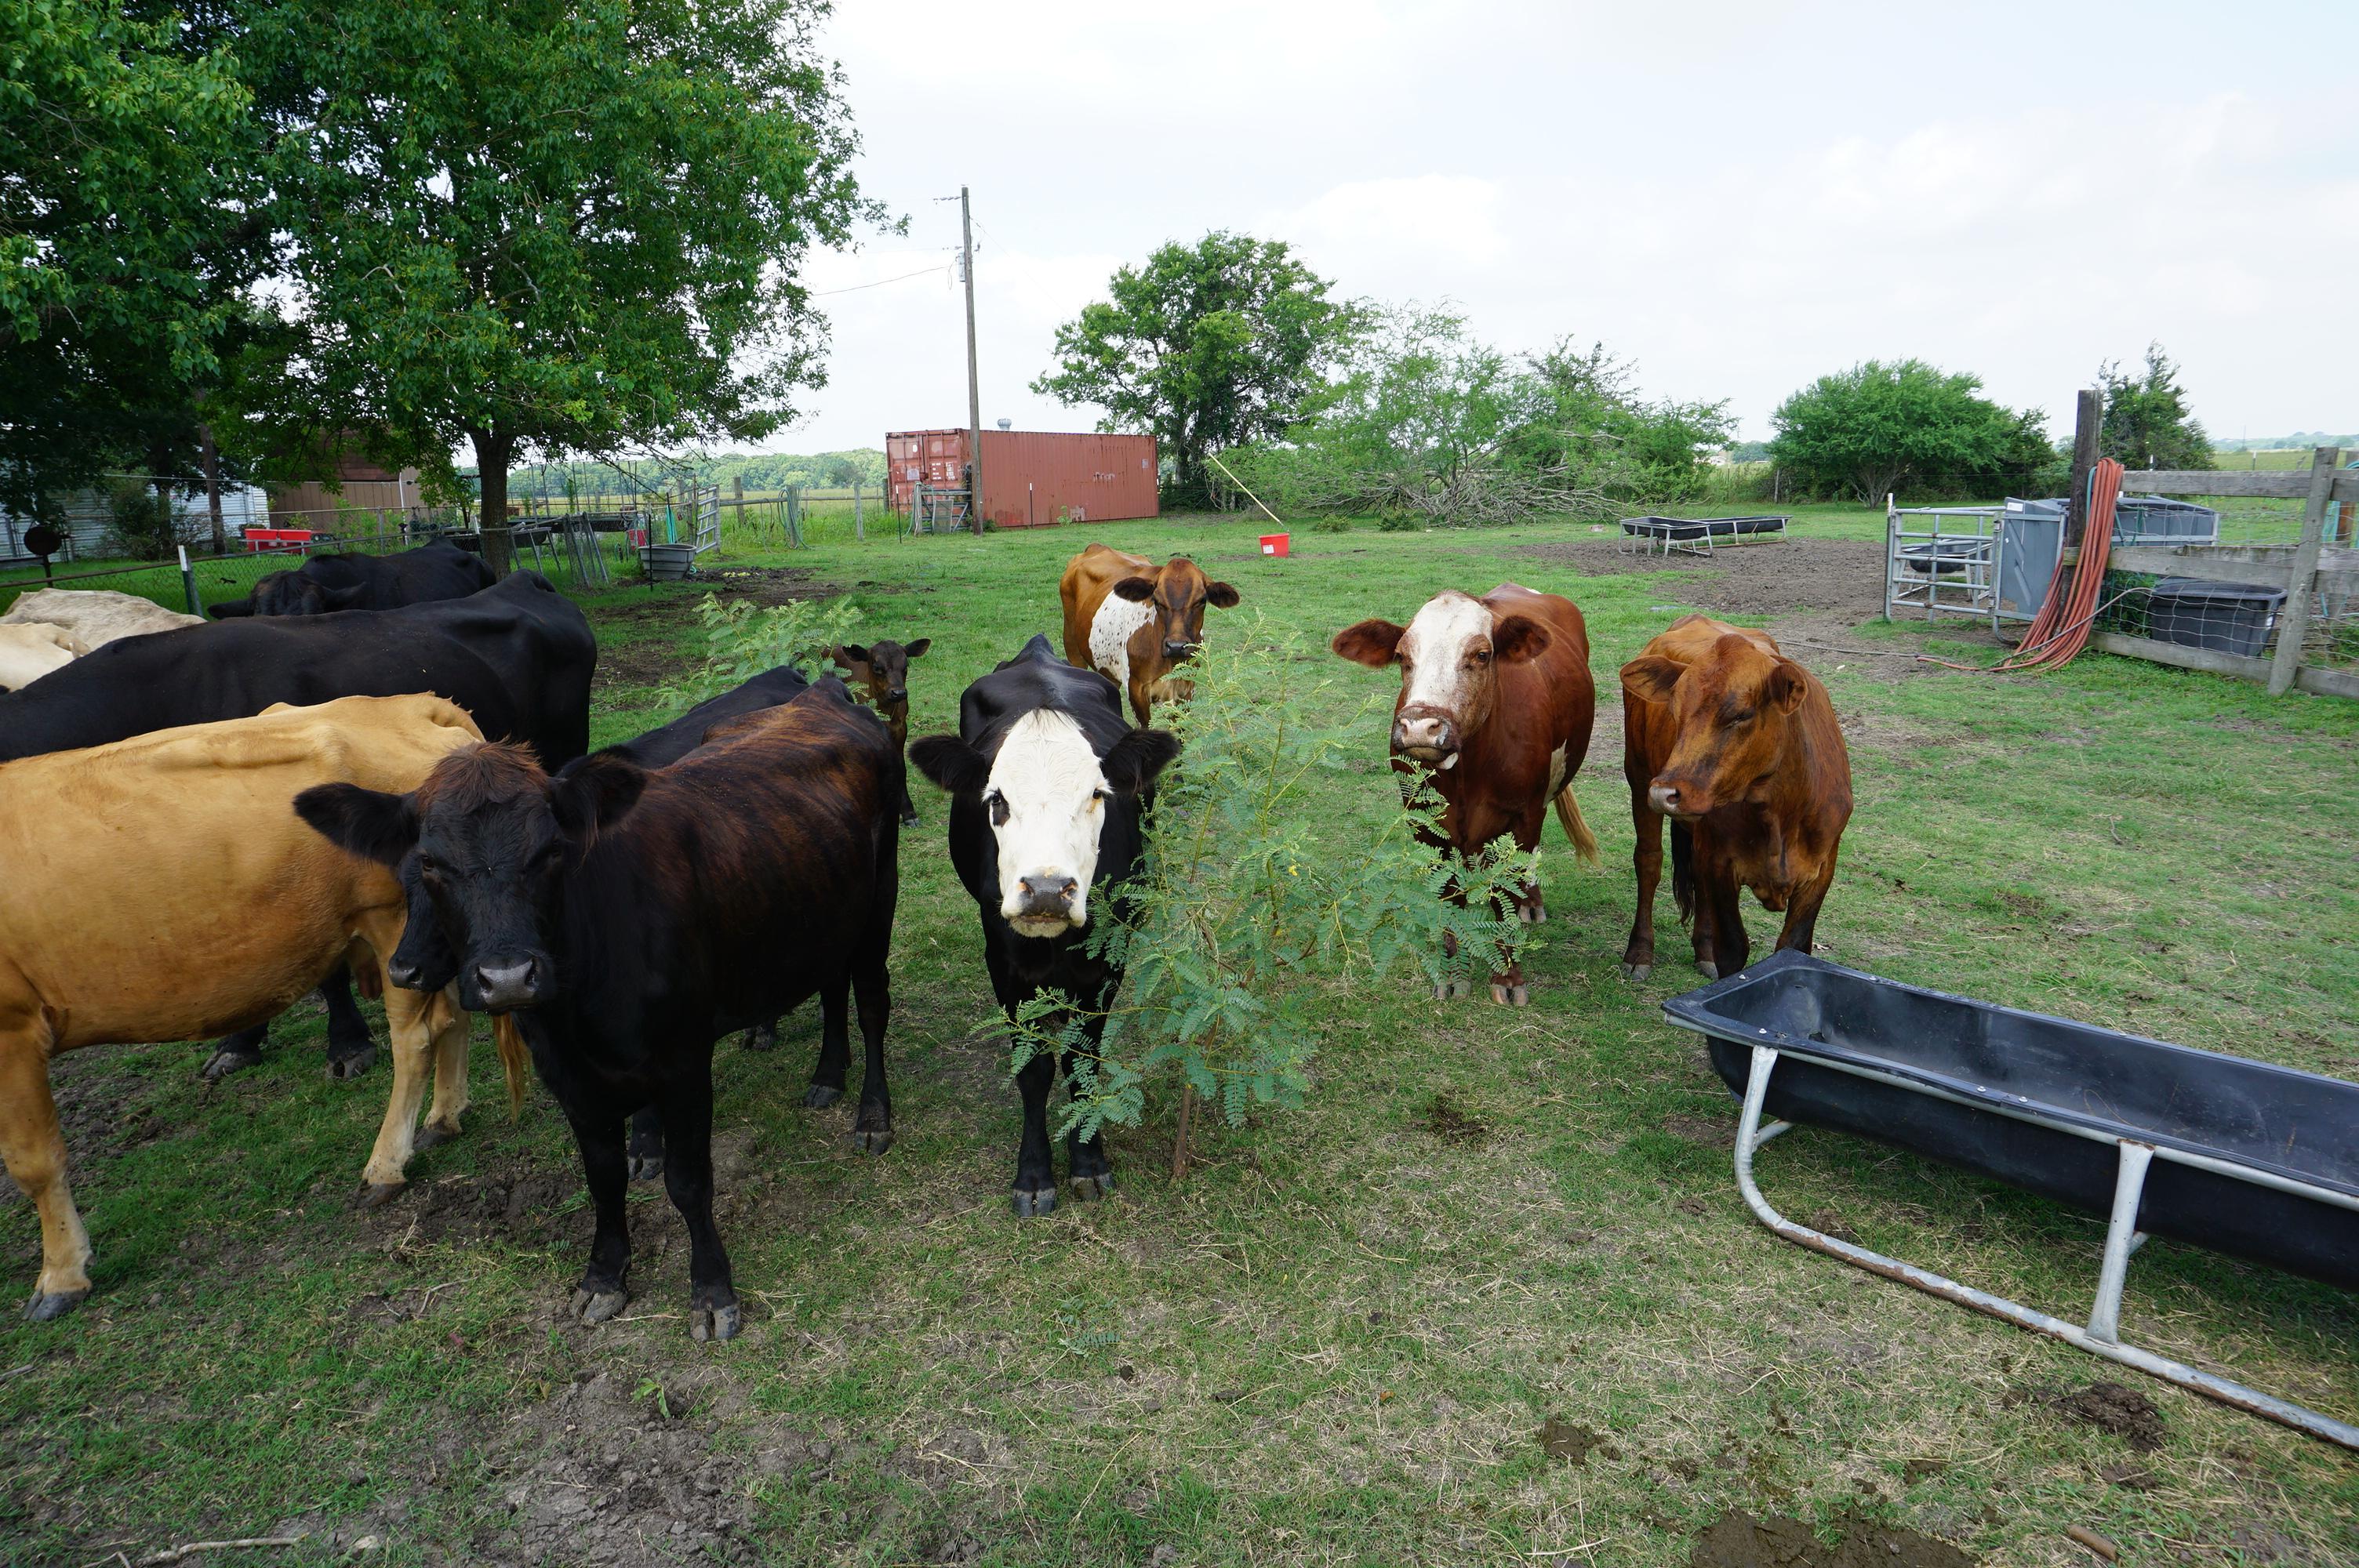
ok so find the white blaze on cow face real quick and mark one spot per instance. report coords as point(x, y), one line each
point(1111, 629)
point(1445, 677)
point(1046, 799)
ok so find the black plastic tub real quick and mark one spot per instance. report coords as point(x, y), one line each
point(1944, 557)
point(1687, 528)
point(2042, 1103)
point(2226, 617)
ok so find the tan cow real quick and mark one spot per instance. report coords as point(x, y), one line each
point(162, 888)
point(1134, 621)
point(31, 649)
point(97, 616)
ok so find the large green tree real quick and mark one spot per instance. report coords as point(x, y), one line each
point(125, 240)
point(557, 225)
point(1879, 428)
point(2147, 423)
point(1208, 346)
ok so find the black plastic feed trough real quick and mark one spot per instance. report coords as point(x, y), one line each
point(2230, 1154)
point(1701, 527)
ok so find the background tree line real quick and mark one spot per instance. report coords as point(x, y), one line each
point(290, 228)
point(1252, 373)
point(766, 472)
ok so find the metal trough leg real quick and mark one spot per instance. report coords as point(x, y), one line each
point(2120, 1242)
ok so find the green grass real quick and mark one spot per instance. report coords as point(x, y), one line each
point(1337, 1340)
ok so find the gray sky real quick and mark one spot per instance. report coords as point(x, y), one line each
point(1738, 198)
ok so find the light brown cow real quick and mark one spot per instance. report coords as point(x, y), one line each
point(1136, 622)
point(162, 888)
point(97, 616)
point(1496, 698)
point(31, 649)
point(1739, 746)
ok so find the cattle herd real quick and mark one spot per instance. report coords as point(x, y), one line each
point(381, 768)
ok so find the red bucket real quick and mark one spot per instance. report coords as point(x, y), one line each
point(1276, 544)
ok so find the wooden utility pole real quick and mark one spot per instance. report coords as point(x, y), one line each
point(2086, 421)
point(973, 387)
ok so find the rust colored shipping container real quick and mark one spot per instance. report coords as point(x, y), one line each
point(1031, 479)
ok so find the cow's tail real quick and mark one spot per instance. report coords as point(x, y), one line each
point(515, 1061)
point(1683, 871)
point(1567, 812)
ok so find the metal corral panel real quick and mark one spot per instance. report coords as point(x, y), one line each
point(1032, 479)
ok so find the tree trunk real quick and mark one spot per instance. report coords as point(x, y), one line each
point(212, 487)
point(493, 450)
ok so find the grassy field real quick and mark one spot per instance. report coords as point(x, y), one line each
point(1345, 1336)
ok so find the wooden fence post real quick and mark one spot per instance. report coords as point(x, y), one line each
point(859, 528)
point(2088, 418)
point(2294, 621)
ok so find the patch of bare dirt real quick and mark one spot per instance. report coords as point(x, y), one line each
point(1702, 1131)
point(1739, 1541)
point(1568, 1443)
point(1450, 1122)
point(1841, 577)
point(2126, 1412)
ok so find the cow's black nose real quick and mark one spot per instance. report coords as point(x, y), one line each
point(406, 975)
point(507, 984)
point(898, 694)
point(1046, 893)
point(1177, 651)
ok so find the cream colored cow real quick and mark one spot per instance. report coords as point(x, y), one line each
point(97, 616)
point(162, 888)
point(32, 649)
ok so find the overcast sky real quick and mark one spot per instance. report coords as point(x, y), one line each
point(1737, 198)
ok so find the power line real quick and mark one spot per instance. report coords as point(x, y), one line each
point(926, 272)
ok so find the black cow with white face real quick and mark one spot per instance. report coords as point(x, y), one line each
point(1045, 776)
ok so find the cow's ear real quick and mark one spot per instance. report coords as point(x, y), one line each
point(1220, 596)
point(369, 823)
point(1375, 644)
point(1519, 638)
point(336, 599)
point(851, 656)
point(230, 611)
point(1787, 686)
point(1134, 761)
point(917, 650)
point(595, 793)
point(1137, 589)
point(951, 762)
point(1652, 678)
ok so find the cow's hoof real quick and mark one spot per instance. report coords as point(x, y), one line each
point(1636, 971)
point(1533, 913)
point(1707, 968)
point(377, 1194)
point(646, 1167)
point(48, 1304)
point(910, 820)
point(714, 1323)
point(596, 1306)
point(433, 1133)
point(1033, 1202)
point(868, 1140)
point(762, 1037)
point(1511, 996)
point(342, 1069)
point(819, 1097)
point(222, 1063)
point(1088, 1188)
point(1453, 988)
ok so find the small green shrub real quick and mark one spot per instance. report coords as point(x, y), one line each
point(1248, 909)
point(142, 525)
point(1334, 524)
point(742, 639)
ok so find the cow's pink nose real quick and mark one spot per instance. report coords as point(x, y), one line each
point(1664, 798)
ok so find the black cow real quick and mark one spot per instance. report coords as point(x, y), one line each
point(878, 674)
point(1045, 777)
point(324, 585)
point(629, 918)
point(517, 656)
point(425, 962)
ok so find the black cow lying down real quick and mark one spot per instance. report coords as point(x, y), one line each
point(323, 584)
point(629, 918)
point(517, 656)
point(1045, 776)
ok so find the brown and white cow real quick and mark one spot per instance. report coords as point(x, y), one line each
point(878, 676)
point(1136, 622)
point(162, 888)
point(1496, 698)
point(1739, 746)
